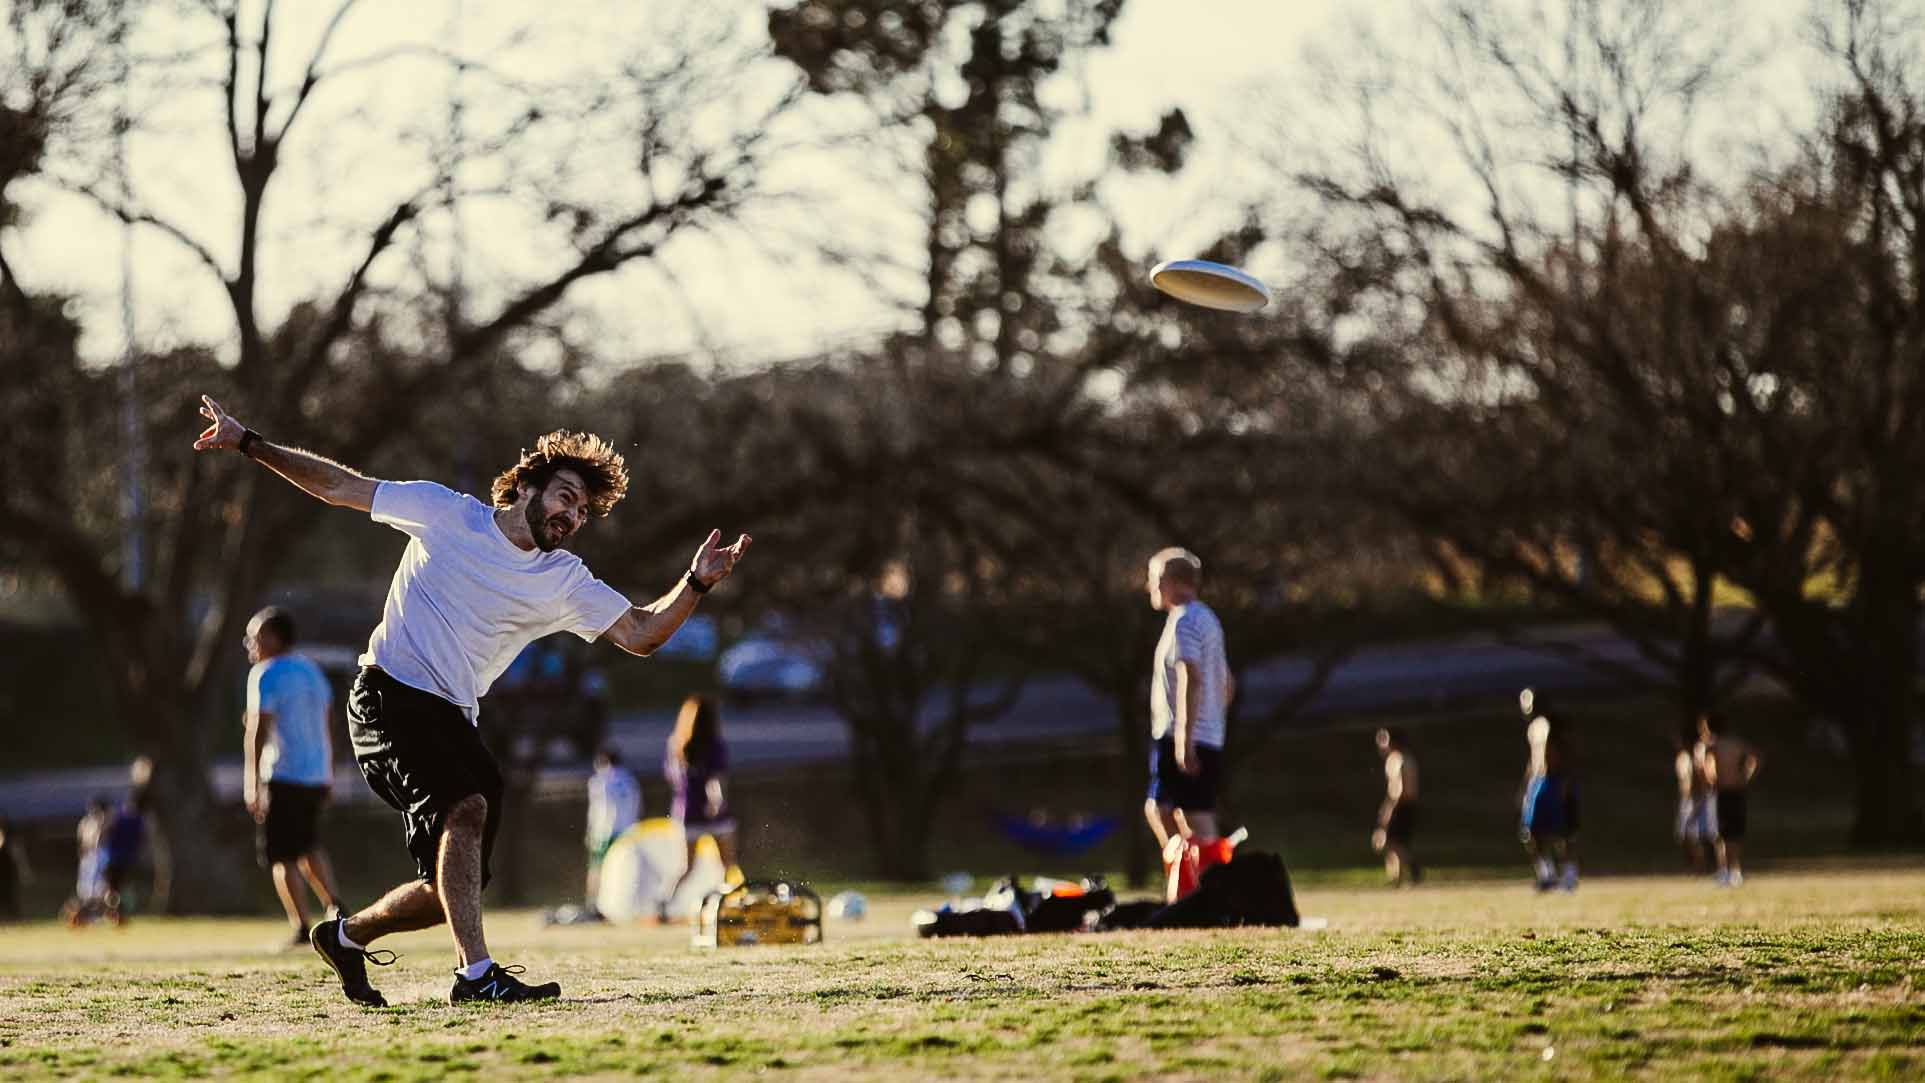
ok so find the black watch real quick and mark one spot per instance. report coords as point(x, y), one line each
point(248, 436)
point(695, 584)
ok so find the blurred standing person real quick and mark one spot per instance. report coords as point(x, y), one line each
point(476, 583)
point(90, 882)
point(123, 841)
point(1547, 800)
point(1190, 691)
point(1697, 818)
point(15, 873)
point(1729, 764)
point(614, 805)
point(287, 765)
point(1397, 818)
point(696, 767)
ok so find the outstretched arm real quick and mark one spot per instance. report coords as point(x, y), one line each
point(321, 478)
point(643, 629)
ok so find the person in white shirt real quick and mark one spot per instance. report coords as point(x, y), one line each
point(1190, 690)
point(287, 765)
point(614, 806)
point(477, 583)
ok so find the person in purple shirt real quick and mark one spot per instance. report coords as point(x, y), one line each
point(696, 766)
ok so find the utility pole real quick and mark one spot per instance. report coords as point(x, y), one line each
point(467, 455)
point(133, 504)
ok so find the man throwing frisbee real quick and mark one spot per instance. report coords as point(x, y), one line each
point(476, 584)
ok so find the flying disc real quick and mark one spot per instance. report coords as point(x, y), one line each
point(1212, 285)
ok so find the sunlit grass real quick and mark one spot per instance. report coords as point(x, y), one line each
point(1798, 975)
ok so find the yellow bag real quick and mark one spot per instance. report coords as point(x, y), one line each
point(760, 912)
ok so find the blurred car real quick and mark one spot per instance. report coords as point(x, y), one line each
point(695, 641)
point(770, 667)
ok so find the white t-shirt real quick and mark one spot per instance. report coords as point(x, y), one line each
point(465, 600)
point(1191, 634)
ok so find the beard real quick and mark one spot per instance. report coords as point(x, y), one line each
point(549, 535)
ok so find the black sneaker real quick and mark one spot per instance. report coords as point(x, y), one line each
point(351, 964)
point(500, 983)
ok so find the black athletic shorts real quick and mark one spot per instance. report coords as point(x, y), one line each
point(1731, 815)
point(1170, 786)
point(1403, 824)
point(293, 825)
point(421, 755)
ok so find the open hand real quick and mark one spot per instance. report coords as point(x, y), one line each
point(223, 432)
point(714, 561)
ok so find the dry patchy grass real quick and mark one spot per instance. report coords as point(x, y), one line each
point(1799, 975)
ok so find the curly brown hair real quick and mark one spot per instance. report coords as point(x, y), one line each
point(601, 467)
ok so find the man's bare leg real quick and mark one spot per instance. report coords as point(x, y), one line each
point(319, 874)
point(411, 906)
point(458, 875)
point(1162, 823)
point(290, 893)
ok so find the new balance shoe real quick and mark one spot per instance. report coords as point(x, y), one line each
point(500, 983)
point(350, 964)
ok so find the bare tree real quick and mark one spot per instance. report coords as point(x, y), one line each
point(351, 371)
point(1682, 380)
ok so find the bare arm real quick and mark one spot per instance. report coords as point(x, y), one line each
point(1393, 793)
point(259, 724)
point(1189, 696)
point(319, 477)
point(643, 629)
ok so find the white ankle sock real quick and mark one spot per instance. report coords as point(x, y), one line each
point(475, 970)
point(341, 934)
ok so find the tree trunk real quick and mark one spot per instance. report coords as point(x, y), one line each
point(890, 786)
point(1887, 811)
point(901, 830)
point(1138, 854)
point(205, 841)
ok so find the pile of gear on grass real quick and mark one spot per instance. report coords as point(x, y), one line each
point(1207, 885)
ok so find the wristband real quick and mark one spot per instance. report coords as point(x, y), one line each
point(248, 436)
point(695, 584)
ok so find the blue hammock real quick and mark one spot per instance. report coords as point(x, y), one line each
point(1065, 839)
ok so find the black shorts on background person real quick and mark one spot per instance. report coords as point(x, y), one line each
point(293, 824)
point(1170, 786)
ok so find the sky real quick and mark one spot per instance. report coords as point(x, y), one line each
point(754, 294)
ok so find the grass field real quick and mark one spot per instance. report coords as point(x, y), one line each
point(1805, 973)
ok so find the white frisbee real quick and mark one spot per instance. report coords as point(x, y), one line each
point(1212, 285)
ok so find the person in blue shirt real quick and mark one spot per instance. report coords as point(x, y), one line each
point(288, 765)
